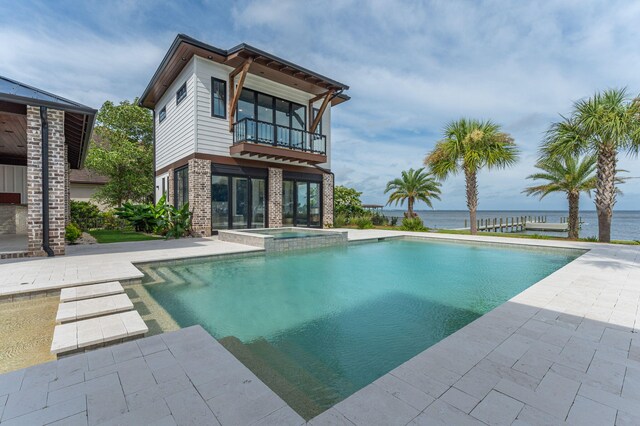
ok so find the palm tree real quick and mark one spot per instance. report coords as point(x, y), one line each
point(569, 174)
point(603, 125)
point(468, 146)
point(414, 185)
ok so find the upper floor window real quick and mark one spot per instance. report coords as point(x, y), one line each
point(218, 98)
point(162, 114)
point(181, 93)
point(272, 110)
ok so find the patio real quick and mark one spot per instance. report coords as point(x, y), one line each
point(563, 351)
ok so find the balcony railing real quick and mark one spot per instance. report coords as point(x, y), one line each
point(262, 132)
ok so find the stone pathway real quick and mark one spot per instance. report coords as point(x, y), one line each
point(183, 377)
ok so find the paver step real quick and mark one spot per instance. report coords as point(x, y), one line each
point(89, 308)
point(101, 330)
point(90, 291)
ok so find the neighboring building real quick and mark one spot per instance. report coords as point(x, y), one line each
point(243, 136)
point(42, 137)
point(84, 184)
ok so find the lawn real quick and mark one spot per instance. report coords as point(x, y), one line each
point(104, 236)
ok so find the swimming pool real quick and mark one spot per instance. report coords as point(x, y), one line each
point(316, 326)
point(281, 234)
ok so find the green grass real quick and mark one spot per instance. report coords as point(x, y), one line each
point(104, 236)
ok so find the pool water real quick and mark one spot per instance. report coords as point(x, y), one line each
point(316, 326)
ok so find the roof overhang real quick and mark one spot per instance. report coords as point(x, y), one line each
point(264, 65)
point(78, 121)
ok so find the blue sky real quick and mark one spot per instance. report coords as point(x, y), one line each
point(412, 67)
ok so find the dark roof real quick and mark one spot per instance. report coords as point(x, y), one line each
point(78, 121)
point(87, 176)
point(177, 57)
point(16, 92)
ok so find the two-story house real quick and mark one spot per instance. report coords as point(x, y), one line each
point(243, 136)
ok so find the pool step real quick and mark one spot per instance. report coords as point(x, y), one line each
point(90, 291)
point(94, 332)
point(89, 308)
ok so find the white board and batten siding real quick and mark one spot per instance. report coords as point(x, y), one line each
point(212, 135)
point(175, 136)
point(13, 179)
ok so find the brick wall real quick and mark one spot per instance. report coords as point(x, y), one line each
point(275, 198)
point(170, 184)
point(57, 178)
point(327, 200)
point(200, 195)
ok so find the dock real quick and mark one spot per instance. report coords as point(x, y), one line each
point(520, 224)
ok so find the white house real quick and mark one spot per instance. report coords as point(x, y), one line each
point(243, 136)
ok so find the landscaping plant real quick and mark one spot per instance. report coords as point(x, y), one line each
point(72, 233)
point(413, 224)
point(469, 146)
point(363, 221)
point(85, 215)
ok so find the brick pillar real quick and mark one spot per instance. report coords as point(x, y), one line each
point(275, 198)
point(67, 187)
point(34, 182)
point(327, 200)
point(200, 196)
point(170, 183)
point(57, 178)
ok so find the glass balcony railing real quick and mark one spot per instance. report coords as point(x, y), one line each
point(262, 132)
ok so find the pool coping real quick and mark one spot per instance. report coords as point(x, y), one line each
point(437, 383)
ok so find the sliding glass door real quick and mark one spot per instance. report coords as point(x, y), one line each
point(238, 202)
point(301, 203)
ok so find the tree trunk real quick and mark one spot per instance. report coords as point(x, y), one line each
point(410, 208)
point(574, 206)
point(472, 198)
point(605, 192)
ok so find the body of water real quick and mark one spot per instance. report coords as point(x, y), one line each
point(625, 225)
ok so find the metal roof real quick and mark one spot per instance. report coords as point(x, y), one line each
point(14, 91)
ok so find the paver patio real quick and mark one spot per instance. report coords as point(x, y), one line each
point(566, 350)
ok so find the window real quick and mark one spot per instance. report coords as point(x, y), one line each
point(238, 202)
point(181, 93)
point(218, 98)
point(181, 185)
point(163, 114)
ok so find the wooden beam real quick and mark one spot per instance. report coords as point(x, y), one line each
point(235, 92)
point(325, 102)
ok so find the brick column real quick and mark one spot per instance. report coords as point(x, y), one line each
point(57, 177)
point(275, 198)
point(327, 200)
point(67, 188)
point(170, 183)
point(200, 196)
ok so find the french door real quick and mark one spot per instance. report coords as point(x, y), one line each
point(238, 202)
point(301, 203)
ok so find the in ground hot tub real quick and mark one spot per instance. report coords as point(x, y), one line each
point(284, 239)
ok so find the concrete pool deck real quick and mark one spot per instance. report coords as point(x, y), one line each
point(566, 350)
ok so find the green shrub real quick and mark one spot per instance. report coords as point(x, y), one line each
point(379, 219)
point(112, 222)
point(85, 215)
point(177, 221)
point(413, 224)
point(362, 222)
point(161, 218)
point(592, 239)
point(393, 221)
point(339, 220)
point(72, 233)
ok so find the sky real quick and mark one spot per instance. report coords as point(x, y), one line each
point(412, 67)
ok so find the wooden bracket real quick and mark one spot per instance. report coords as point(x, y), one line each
point(327, 97)
point(234, 93)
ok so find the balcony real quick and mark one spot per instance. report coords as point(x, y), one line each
point(268, 141)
